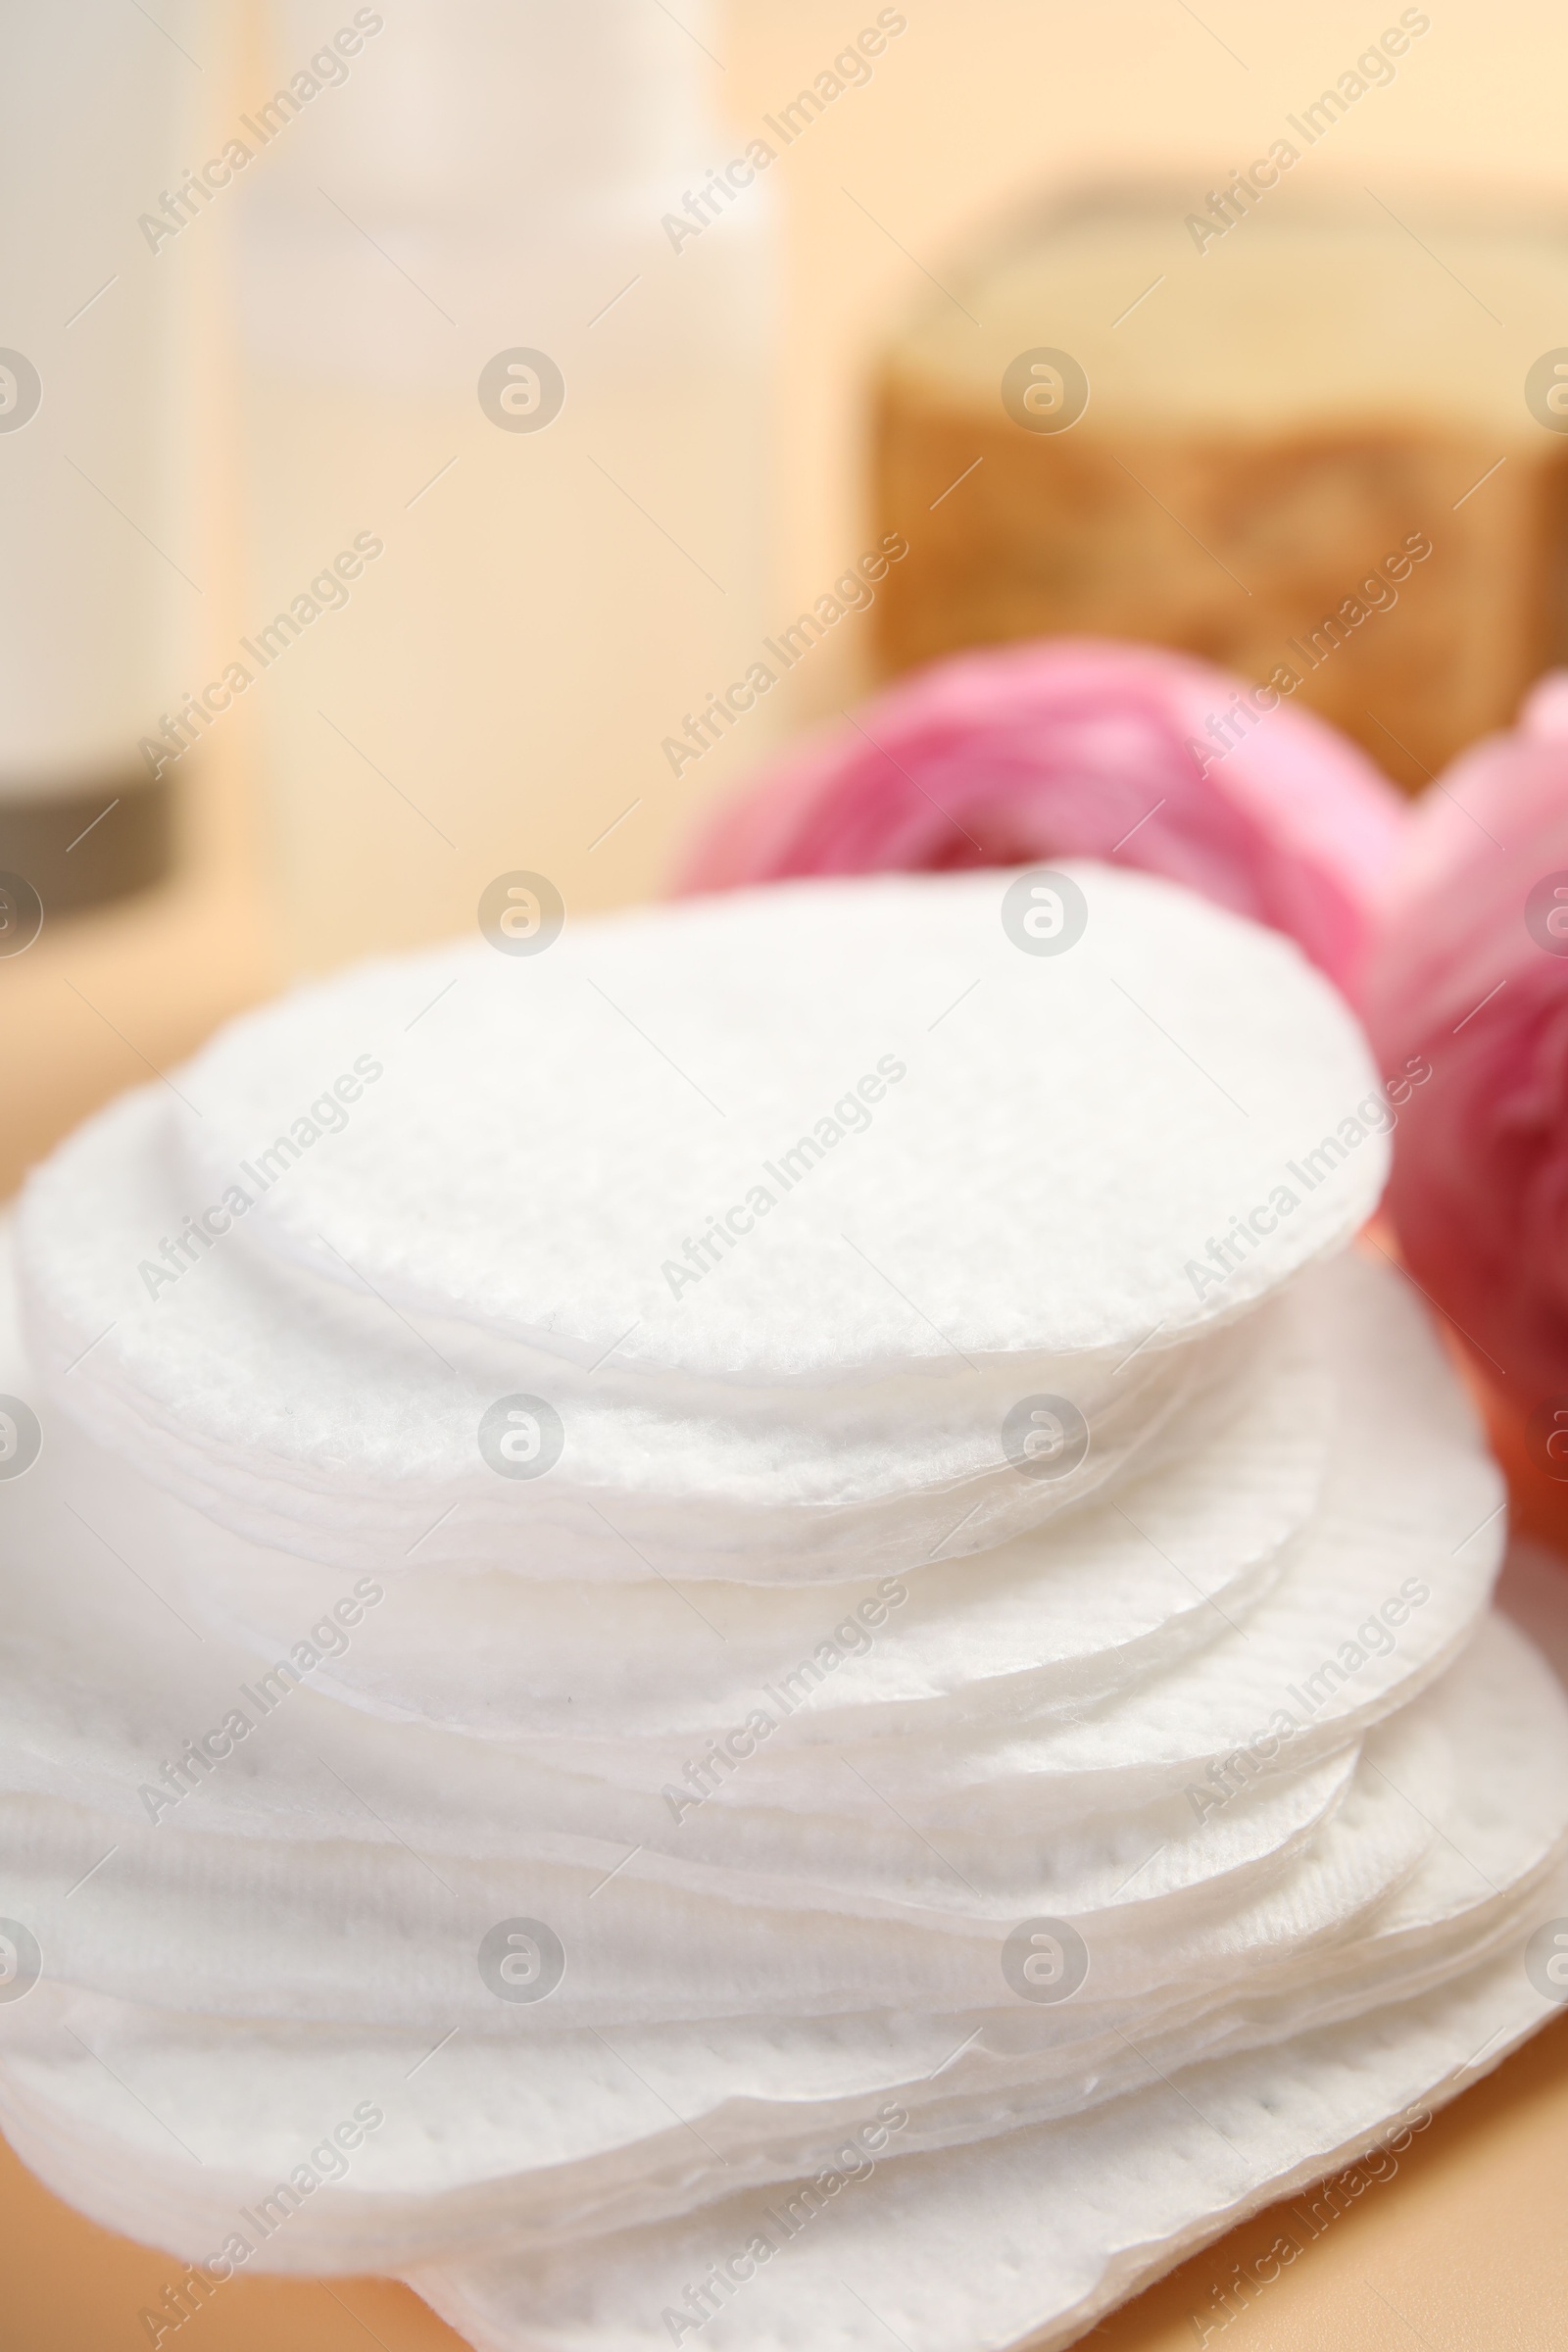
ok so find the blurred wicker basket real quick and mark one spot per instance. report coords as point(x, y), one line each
point(1295, 433)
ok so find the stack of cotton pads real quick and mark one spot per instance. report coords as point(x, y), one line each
point(746, 1623)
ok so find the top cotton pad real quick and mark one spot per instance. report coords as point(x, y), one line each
point(815, 1132)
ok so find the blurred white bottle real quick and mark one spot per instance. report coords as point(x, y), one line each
point(102, 598)
point(486, 587)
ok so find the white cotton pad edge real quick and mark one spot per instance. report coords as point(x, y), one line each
point(1024, 2239)
point(309, 1416)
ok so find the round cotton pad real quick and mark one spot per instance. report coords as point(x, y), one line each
point(1065, 1612)
point(967, 1147)
point(1015, 1241)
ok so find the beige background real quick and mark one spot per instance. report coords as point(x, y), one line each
point(977, 107)
point(979, 104)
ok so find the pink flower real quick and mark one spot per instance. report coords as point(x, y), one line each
point(1472, 978)
point(1078, 747)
